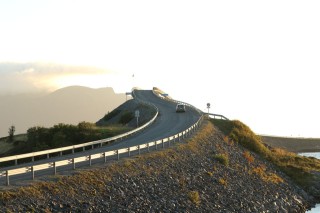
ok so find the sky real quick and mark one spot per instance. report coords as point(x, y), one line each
point(255, 61)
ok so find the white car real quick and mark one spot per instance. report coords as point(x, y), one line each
point(180, 108)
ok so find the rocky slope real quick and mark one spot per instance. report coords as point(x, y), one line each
point(206, 173)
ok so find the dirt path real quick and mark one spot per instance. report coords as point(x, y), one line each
point(293, 144)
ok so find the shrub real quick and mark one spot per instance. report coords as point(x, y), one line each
point(194, 197)
point(222, 158)
point(248, 156)
point(242, 134)
point(222, 181)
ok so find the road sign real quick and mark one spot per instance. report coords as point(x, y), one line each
point(208, 106)
point(137, 113)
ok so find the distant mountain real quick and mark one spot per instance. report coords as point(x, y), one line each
point(69, 105)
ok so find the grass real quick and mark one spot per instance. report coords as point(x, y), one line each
point(112, 130)
point(222, 158)
point(6, 146)
point(194, 197)
point(248, 156)
point(266, 176)
point(298, 168)
point(222, 181)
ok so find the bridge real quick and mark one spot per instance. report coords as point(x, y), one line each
point(164, 129)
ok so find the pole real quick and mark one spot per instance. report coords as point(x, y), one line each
point(8, 179)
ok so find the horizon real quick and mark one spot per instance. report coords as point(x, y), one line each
point(253, 61)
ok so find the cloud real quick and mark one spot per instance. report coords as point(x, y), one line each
point(33, 77)
point(47, 68)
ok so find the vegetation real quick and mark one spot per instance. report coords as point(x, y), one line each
point(126, 117)
point(300, 169)
point(222, 181)
point(172, 165)
point(41, 138)
point(248, 156)
point(194, 197)
point(222, 158)
point(266, 176)
point(111, 114)
point(11, 131)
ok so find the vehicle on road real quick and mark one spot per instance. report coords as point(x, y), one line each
point(181, 108)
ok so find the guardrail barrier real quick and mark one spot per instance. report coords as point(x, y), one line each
point(105, 156)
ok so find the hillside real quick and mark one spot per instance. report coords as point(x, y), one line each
point(67, 105)
point(206, 173)
point(125, 114)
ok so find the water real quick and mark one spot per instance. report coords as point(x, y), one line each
point(311, 154)
point(316, 209)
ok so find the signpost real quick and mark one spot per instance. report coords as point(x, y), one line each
point(208, 106)
point(137, 115)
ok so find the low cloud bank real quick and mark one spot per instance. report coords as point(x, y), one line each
point(34, 77)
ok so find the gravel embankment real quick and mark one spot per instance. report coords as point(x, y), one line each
point(187, 178)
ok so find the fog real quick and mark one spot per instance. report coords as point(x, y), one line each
point(17, 78)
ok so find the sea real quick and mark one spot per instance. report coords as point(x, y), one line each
point(316, 209)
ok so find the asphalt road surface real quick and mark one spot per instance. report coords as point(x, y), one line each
point(168, 123)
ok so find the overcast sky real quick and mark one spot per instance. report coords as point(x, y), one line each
point(256, 61)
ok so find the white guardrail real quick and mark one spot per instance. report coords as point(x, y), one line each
point(124, 152)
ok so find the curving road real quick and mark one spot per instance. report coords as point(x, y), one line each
point(168, 123)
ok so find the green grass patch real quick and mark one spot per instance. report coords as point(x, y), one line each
point(222, 158)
